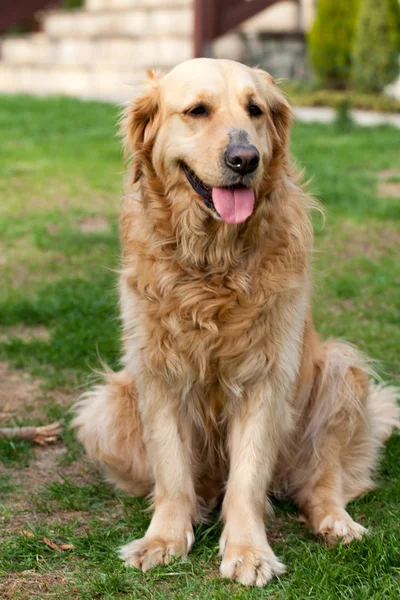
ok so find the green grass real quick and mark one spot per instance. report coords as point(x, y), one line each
point(15, 452)
point(5, 486)
point(61, 168)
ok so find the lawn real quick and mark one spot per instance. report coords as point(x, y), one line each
point(60, 184)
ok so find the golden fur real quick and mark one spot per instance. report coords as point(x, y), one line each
point(226, 389)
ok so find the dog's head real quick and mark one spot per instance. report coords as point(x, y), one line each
point(215, 128)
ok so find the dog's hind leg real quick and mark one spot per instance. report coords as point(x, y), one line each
point(109, 427)
point(348, 418)
point(322, 500)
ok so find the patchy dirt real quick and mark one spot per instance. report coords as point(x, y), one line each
point(93, 225)
point(26, 263)
point(66, 517)
point(389, 174)
point(371, 242)
point(346, 305)
point(22, 512)
point(389, 183)
point(21, 395)
point(389, 189)
point(88, 225)
point(3, 258)
point(24, 333)
point(45, 467)
point(18, 392)
point(33, 584)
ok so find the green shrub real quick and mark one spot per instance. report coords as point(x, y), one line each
point(395, 11)
point(72, 3)
point(331, 40)
point(343, 118)
point(376, 45)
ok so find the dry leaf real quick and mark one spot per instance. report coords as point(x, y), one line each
point(67, 547)
point(58, 546)
point(52, 544)
point(27, 533)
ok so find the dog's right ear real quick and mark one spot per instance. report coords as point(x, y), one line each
point(280, 110)
point(139, 126)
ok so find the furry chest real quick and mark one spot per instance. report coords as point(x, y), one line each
point(202, 329)
point(230, 351)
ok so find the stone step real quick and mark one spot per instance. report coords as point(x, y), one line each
point(94, 5)
point(97, 82)
point(131, 22)
point(142, 51)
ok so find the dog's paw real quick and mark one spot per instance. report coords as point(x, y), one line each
point(250, 566)
point(150, 552)
point(340, 527)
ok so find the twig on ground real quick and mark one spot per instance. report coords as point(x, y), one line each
point(43, 435)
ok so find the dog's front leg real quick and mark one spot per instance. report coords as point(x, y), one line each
point(254, 436)
point(168, 445)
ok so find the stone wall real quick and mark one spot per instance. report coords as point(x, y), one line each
point(282, 55)
point(104, 49)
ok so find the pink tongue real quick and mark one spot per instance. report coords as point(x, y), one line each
point(233, 205)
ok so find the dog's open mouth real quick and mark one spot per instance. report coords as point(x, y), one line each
point(233, 204)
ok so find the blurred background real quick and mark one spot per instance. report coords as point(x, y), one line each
point(64, 67)
point(101, 48)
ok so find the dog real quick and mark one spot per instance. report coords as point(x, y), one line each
point(226, 391)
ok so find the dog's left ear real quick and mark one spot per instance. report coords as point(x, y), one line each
point(139, 126)
point(280, 109)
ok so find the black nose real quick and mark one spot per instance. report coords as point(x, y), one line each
point(242, 159)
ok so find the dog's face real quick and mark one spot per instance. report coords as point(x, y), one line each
point(213, 127)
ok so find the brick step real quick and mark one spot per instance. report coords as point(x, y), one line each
point(97, 82)
point(145, 52)
point(94, 5)
point(133, 22)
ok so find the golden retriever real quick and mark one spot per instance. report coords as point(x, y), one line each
point(227, 391)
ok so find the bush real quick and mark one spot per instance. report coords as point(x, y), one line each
point(331, 40)
point(343, 118)
point(72, 3)
point(395, 11)
point(376, 45)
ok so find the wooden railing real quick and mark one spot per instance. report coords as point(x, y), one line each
point(215, 17)
point(16, 11)
point(212, 17)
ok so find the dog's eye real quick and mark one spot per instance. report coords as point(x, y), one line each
point(198, 111)
point(254, 110)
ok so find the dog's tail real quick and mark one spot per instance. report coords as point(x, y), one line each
point(384, 409)
point(344, 389)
